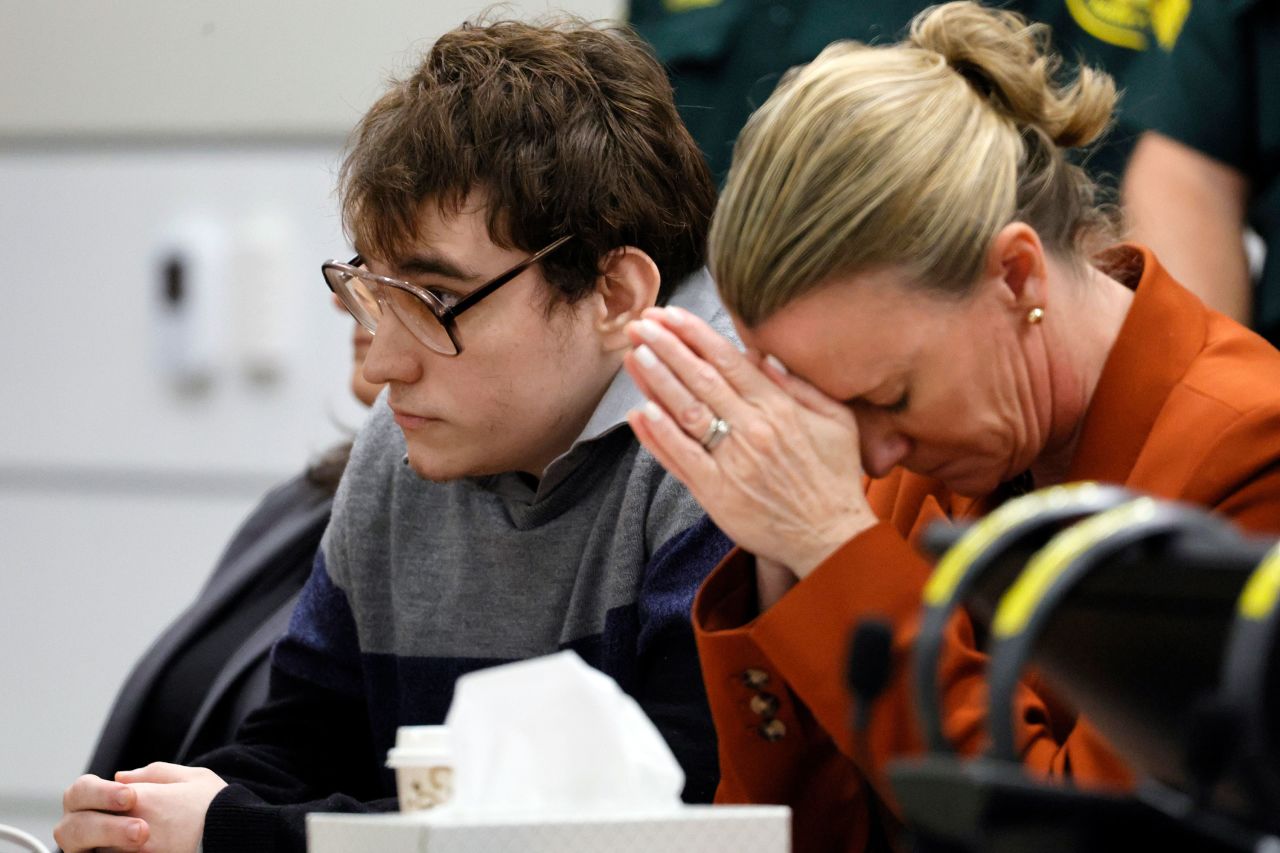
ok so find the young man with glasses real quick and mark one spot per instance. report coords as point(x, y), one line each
point(515, 203)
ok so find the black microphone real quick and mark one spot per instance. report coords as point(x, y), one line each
point(867, 672)
point(869, 664)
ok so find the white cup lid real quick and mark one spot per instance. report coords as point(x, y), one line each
point(422, 737)
point(419, 746)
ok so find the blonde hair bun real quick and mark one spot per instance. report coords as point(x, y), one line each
point(1007, 60)
point(911, 156)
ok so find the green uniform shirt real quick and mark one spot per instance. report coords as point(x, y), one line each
point(1219, 92)
point(725, 56)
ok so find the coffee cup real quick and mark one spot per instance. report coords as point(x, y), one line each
point(423, 761)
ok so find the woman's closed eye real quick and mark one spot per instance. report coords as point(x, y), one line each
point(862, 405)
point(894, 407)
point(899, 405)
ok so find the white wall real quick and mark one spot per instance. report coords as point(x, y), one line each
point(201, 67)
point(118, 123)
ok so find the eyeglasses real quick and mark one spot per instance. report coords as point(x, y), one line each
point(430, 315)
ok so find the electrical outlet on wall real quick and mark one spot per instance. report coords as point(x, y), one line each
point(191, 278)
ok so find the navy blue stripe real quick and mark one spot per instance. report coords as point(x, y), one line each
point(417, 691)
point(673, 576)
point(321, 643)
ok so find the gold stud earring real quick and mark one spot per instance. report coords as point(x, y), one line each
point(1035, 315)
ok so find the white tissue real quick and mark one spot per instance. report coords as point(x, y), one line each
point(552, 734)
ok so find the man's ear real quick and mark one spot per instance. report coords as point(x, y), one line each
point(1016, 261)
point(628, 283)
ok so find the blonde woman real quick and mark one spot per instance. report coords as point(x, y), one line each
point(932, 324)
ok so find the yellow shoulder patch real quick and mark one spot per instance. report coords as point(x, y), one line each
point(1123, 23)
point(1167, 18)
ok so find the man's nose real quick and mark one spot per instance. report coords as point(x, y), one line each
point(395, 355)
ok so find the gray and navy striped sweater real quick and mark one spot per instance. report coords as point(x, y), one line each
point(418, 582)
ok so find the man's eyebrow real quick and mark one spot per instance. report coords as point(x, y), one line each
point(428, 263)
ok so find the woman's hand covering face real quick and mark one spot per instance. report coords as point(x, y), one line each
point(786, 482)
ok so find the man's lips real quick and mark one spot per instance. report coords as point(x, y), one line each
point(408, 420)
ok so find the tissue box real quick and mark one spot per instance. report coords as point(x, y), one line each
point(691, 829)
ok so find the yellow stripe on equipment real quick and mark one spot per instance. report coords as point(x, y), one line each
point(1019, 603)
point(1262, 590)
point(955, 563)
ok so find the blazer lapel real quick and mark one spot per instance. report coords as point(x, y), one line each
point(256, 647)
point(266, 550)
point(137, 686)
point(1164, 331)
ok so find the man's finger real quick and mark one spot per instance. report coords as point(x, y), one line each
point(156, 771)
point(96, 794)
point(87, 830)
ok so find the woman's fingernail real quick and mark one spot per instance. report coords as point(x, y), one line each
point(123, 798)
point(134, 832)
point(647, 329)
point(772, 361)
point(652, 411)
point(645, 356)
point(675, 316)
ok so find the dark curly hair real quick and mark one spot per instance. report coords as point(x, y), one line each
point(568, 128)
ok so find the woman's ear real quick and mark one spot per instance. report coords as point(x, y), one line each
point(1016, 260)
point(628, 283)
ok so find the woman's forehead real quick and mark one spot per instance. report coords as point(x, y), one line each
point(866, 324)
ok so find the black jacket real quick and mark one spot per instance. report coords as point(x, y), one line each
point(282, 533)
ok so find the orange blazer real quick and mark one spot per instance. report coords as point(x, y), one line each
point(1187, 408)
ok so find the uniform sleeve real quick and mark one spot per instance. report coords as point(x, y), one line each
point(1199, 93)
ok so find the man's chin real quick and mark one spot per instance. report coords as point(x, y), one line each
point(430, 464)
point(435, 466)
point(435, 476)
